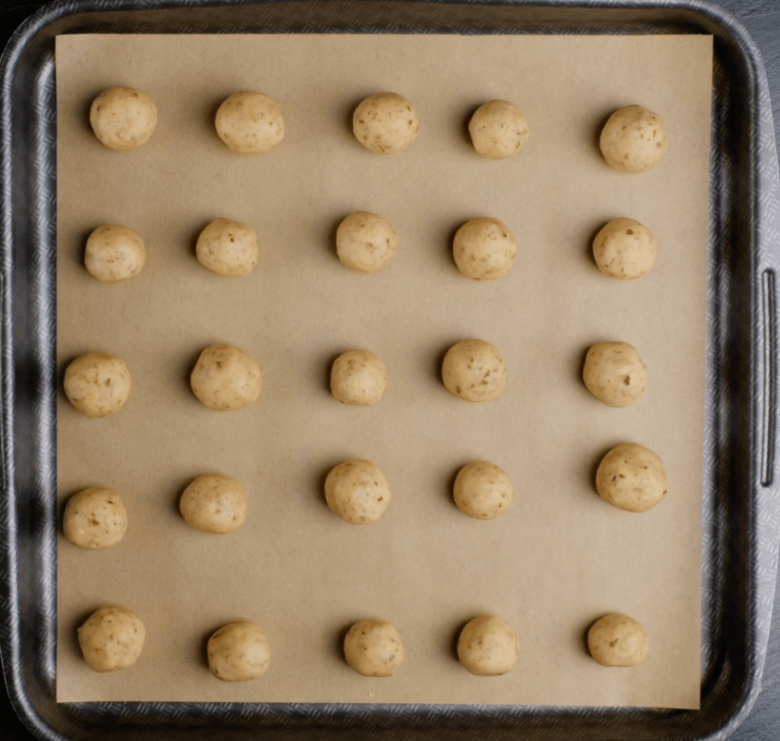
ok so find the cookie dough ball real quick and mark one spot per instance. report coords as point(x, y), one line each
point(112, 638)
point(625, 249)
point(357, 491)
point(228, 248)
point(366, 242)
point(484, 249)
point(615, 374)
point(483, 490)
point(634, 139)
point(474, 370)
point(385, 123)
point(358, 378)
point(123, 118)
point(373, 648)
point(114, 253)
point(214, 503)
point(632, 478)
point(618, 640)
point(95, 518)
point(226, 378)
point(97, 384)
point(498, 130)
point(249, 123)
point(488, 646)
point(238, 652)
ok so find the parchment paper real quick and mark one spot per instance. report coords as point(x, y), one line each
point(560, 557)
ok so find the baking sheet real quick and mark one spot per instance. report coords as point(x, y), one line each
point(560, 557)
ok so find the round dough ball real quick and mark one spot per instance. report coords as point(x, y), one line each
point(498, 130)
point(618, 640)
point(483, 490)
point(238, 652)
point(385, 123)
point(634, 139)
point(214, 503)
point(114, 254)
point(373, 648)
point(474, 370)
point(625, 249)
point(357, 491)
point(226, 378)
point(615, 374)
point(249, 123)
point(632, 478)
point(366, 242)
point(488, 646)
point(484, 249)
point(97, 384)
point(123, 118)
point(228, 248)
point(95, 518)
point(358, 378)
point(111, 638)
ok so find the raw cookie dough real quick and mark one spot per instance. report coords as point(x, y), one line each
point(249, 123)
point(373, 648)
point(488, 646)
point(95, 518)
point(618, 640)
point(114, 253)
point(228, 248)
point(498, 130)
point(358, 378)
point(366, 242)
point(123, 118)
point(634, 139)
point(482, 490)
point(226, 378)
point(615, 374)
point(625, 249)
point(357, 491)
point(214, 503)
point(238, 652)
point(474, 370)
point(97, 384)
point(632, 478)
point(111, 638)
point(385, 123)
point(484, 249)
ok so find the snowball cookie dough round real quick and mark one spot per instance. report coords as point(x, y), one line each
point(483, 490)
point(474, 370)
point(357, 491)
point(484, 249)
point(123, 118)
point(238, 652)
point(114, 253)
point(498, 130)
point(373, 648)
point(111, 638)
point(366, 242)
point(632, 478)
point(249, 123)
point(385, 123)
point(226, 378)
point(488, 646)
point(634, 139)
point(228, 248)
point(624, 249)
point(97, 384)
point(615, 374)
point(214, 503)
point(95, 518)
point(618, 640)
point(358, 378)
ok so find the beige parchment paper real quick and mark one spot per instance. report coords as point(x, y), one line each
point(560, 557)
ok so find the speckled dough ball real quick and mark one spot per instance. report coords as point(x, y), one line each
point(483, 490)
point(615, 374)
point(114, 253)
point(97, 384)
point(625, 249)
point(214, 503)
point(373, 648)
point(498, 130)
point(123, 118)
point(238, 652)
point(228, 248)
point(226, 378)
point(112, 638)
point(618, 640)
point(366, 242)
point(249, 123)
point(385, 123)
point(358, 378)
point(357, 491)
point(632, 478)
point(484, 249)
point(95, 518)
point(634, 139)
point(488, 646)
point(474, 370)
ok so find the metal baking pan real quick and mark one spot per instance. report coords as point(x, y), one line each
point(741, 504)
